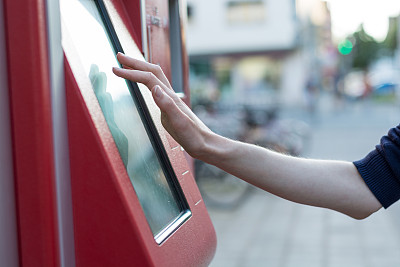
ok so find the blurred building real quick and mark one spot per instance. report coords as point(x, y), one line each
point(218, 27)
point(250, 50)
point(397, 53)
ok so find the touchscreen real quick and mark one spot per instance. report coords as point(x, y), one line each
point(84, 26)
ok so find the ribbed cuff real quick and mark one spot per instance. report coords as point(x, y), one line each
point(379, 178)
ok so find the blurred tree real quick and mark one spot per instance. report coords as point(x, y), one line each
point(365, 49)
point(390, 42)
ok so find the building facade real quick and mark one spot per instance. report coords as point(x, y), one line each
point(263, 47)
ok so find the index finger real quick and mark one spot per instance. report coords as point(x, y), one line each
point(143, 66)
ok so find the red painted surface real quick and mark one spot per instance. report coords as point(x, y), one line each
point(130, 13)
point(159, 49)
point(104, 234)
point(30, 103)
point(110, 226)
point(158, 34)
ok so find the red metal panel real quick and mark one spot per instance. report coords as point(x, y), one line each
point(185, 68)
point(104, 232)
point(110, 226)
point(132, 18)
point(158, 40)
point(157, 26)
point(32, 132)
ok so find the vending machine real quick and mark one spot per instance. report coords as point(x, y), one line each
point(97, 180)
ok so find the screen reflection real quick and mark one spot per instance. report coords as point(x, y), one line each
point(83, 25)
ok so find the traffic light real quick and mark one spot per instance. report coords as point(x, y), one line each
point(345, 47)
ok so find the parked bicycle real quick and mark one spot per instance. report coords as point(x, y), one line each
point(260, 126)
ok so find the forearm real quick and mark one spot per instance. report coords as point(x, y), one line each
point(331, 184)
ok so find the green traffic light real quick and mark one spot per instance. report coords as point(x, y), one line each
point(345, 47)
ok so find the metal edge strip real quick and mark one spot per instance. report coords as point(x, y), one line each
point(145, 45)
point(8, 226)
point(60, 136)
point(172, 227)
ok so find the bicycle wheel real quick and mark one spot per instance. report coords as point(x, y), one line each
point(219, 188)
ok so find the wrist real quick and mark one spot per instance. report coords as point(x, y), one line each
point(215, 149)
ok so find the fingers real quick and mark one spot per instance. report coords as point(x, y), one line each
point(136, 64)
point(150, 75)
point(173, 106)
point(147, 78)
point(167, 105)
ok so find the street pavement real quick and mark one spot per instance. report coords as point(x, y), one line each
point(268, 231)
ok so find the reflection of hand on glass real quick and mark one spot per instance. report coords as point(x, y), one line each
point(330, 184)
point(99, 83)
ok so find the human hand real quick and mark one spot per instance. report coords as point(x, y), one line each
point(176, 117)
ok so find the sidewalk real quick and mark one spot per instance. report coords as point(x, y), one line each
point(268, 231)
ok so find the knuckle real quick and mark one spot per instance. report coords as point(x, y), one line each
point(157, 69)
point(169, 106)
point(168, 103)
point(176, 98)
point(152, 76)
point(149, 77)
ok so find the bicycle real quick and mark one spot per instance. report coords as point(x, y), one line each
point(245, 123)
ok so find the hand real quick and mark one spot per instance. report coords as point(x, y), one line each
point(330, 184)
point(176, 117)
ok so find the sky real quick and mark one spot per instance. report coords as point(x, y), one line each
point(347, 15)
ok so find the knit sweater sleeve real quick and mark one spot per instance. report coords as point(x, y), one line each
point(380, 169)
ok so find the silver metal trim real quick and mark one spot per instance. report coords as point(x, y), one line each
point(60, 137)
point(175, 41)
point(149, 50)
point(172, 227)
point(145, 45)
point(8, 221)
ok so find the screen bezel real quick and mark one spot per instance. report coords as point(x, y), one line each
point(152, 132)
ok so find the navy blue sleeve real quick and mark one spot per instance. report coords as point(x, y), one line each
point(380, 169)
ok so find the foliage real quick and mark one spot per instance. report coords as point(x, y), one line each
point(365, 49)
point(390, 42)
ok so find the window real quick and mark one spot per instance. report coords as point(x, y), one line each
point(190, 12)
point(87, 26)
point(250, 11)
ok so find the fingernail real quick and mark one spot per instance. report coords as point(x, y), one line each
point(157, 91)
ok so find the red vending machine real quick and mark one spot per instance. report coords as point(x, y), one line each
point(98, 181)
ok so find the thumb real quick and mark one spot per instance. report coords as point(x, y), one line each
point(165, 102)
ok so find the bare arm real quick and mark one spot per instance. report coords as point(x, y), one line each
point(334, 185)
point(330, 184)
